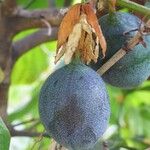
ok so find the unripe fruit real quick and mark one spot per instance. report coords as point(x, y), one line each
point(134, 67)
point(74, 106)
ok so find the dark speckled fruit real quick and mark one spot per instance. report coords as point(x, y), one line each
point(134, 67)
point(74, 106)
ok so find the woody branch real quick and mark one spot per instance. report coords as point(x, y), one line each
point(20, 47)
point(32, 19)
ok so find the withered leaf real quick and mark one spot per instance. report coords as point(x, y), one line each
point(89, 48)
point(80, 33)
point(87, 45)
point(81, 44)
point(70, 19)
point(92, 20)
point(73, 41)
point(60, 53)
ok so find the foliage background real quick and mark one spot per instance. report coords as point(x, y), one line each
point(130, 119)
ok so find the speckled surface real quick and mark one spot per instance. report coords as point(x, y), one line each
point(74, 106)
point(134, 67)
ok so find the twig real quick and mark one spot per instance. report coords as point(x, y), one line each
point(26, 19)
point(40, 138)
point(48, 26)
point(23, 133)
point(120, 53)
point(24, 45)
point(25, 122)
point(133, 6)
point(33, 125)
point(127, 4)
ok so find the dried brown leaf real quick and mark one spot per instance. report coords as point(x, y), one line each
point(73, 41)
point(81, 45)
point(60, 53)
point(71, 18)
point(89, 41)
point(90, 46)
point(87, 48)
point(92, 20)
point(80, 33)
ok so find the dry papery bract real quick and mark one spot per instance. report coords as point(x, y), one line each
point(80, 34)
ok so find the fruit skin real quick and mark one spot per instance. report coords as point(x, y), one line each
point(74, 106)
point(134, 67)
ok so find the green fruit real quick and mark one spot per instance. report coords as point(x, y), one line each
point(134, 67)
point(74, 106)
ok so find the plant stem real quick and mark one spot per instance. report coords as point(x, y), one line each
point(134, 7)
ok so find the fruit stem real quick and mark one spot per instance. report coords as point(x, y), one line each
point(134, 7)
point(76, 58)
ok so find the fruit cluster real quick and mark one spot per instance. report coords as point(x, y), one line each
point(74, 104)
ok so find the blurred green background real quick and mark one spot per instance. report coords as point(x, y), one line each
point(129, 126)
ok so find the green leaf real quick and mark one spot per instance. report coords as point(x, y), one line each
point(28, 108)
point(31, 4)
point(114, 94)
point(4, 136)
point(29, 67)
point(23, 34)
point(33, 63)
